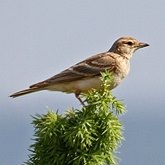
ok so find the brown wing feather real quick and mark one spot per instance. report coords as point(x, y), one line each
point(87, 68)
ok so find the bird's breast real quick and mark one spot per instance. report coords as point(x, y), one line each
point(122, 67)
point(121, 71)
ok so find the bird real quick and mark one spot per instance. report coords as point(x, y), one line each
point(85, 75)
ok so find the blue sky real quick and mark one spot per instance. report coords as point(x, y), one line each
point(41, 38)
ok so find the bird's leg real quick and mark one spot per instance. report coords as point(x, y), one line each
point(77, 95)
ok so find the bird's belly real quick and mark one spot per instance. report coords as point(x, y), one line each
point(88, 84)
point(84, 85)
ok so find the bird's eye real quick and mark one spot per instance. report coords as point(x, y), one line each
point(129, 43)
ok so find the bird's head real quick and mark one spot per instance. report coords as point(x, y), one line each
point(126, 46)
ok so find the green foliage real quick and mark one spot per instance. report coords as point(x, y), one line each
point(89, 136)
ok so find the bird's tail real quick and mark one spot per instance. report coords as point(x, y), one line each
point(24, 92)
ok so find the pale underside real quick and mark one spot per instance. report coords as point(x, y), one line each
point(83, 85)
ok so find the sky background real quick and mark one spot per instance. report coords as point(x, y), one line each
point(41, 38)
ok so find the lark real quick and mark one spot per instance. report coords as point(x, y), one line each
point(85, 75)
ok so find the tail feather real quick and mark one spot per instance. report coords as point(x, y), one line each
point(24, 92)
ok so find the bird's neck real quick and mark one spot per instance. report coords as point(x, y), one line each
point(121, 53)
point(126, 56)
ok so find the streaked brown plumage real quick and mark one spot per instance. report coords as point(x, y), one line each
point(85, 75)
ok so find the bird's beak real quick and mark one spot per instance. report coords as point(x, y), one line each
point(142, 45)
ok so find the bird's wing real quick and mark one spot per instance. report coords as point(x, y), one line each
point(87, 68)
